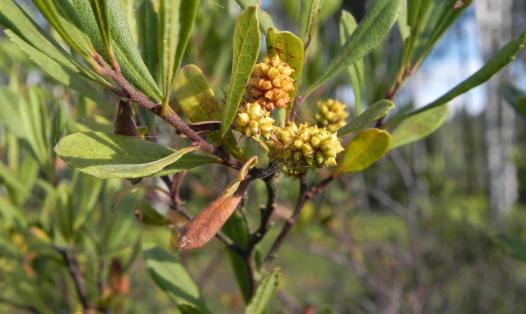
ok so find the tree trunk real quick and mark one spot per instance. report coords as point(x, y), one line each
point(494, 18)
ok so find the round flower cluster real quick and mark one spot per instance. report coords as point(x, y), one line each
point(304, 146)
point(271, 84)
point(331, 114)
point(253, 121)
point(296, 148)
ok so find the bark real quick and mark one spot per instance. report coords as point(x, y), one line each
point(494, 18)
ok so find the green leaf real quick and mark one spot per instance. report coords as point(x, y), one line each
point(115, 156)
point(186, 162)
point(364, 149)
point(59, 73)
point(128, 55)
point(170, 275)
point(176, 22)
point(101, 15)
point(431, 22)
point(147, 24)
point(419, 126)
point(199, 103)
point(124, 47)
point(265, 293)
point(236, 229)
point(515, 97)
point(247, 40)
point(195, 96)
point(189, 7)
point(310, 11)
point(511, 245)
point(328, 9)
point(71, 34)
point(265, 20)
point(289, 47)
point(370, 33)
point(356, 71)
point(375, 112)
point(19, 22)
point(504, 56)
point(403, 23)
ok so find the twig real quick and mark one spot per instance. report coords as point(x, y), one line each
point(76, 276)
point(391, 93)
point(306, 194)
point(165, 112)
point(266, 213)
point(295, 107)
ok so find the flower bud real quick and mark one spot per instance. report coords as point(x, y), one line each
point(304, 147)
point(331, 114)
point(253, 121)
point(271, 84)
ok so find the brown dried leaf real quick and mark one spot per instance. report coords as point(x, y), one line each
point(209, 221)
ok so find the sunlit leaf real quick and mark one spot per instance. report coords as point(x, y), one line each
point(356, 71)
point(265, 293)
point(375, 111)
point(116, 156)
point(503, 57)
point(370, 33)
point(171, 277)
point(195, 96)
point(365, 148)
point(247, 40)
point(418, 126)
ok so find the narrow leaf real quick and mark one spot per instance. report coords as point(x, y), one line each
point(364, 149)
point(418, 126)
point(265, 20)
point(56, 71)
point(168, 39)
point(493, 66)
point(356, 71)
point(375, 111)
point(515, 97)
point(101, 15)
point(170, 275)
point(265, 293)
point(116, 156)
point(247, 40)
point(310, 11)
point(370, 33)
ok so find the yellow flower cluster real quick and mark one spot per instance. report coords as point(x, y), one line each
point(331, 114)
point(271, 84)
point(304, 146)
point(296, 147)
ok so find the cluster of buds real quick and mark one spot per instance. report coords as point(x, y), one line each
point(271, 84)
point(296, 147)
point(305, 146)
point(254, 121)
point(331, 114)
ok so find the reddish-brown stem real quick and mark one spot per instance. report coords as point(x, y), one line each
point(78, 281)
point(306, 194)
point(114, 73)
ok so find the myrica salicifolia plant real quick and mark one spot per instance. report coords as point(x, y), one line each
point(261, 130)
